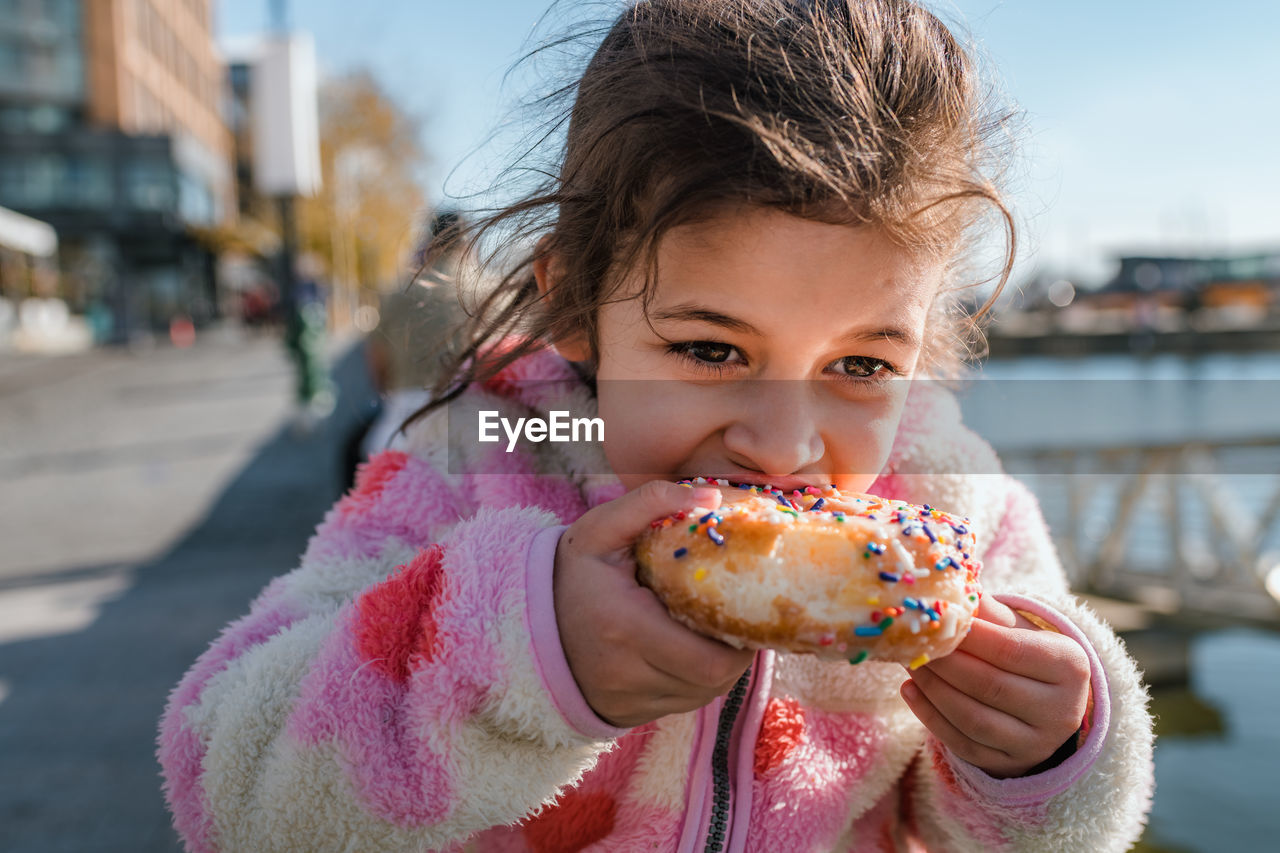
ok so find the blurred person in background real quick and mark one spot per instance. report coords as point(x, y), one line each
point(306, 333)
point(260, 303)
point(418, 327)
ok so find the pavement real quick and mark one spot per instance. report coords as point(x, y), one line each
point(145, 498)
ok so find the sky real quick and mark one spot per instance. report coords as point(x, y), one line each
point(1149, 127)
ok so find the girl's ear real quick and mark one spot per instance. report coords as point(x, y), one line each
point(546, 269)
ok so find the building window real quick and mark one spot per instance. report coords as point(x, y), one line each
point(12, 181)
point(48, 119)
point(65, 15)
point(195, 201)
point(42, 181)
point(12, 58)
point(148, 184)
point(90, 182)
point(141, 23)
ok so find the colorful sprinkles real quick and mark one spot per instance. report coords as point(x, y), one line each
point(927, 530)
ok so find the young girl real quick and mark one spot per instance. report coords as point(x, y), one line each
point(757, 236)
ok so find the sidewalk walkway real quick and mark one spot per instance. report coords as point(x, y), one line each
point(78, 709)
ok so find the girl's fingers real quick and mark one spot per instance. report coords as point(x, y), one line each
point(999, 613)
point(692, 662)
point(650, 693)
point(1016, 695)
point(1041, 655)
point(978, 722)
point(614, 526)
point(707, 679)
point(695, 661)
point(995, 612)
point(942, 728)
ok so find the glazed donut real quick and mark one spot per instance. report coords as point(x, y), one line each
point(816, 571)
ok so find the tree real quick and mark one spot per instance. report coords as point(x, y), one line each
point(364, 221)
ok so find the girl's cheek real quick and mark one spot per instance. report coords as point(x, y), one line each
point(656, 427)
point(860, 444)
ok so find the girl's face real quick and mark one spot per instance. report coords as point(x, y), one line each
point(775, 351)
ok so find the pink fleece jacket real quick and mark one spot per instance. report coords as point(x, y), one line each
point(405, 689)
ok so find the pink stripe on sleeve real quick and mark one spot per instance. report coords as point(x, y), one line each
point(548, 653)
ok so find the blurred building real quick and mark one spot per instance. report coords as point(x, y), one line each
point(1171, 293)
point(111, 131)
point(271, 112)
point(1248, 280)
point(240, 119)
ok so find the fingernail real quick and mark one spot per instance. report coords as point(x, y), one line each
point(704, 496)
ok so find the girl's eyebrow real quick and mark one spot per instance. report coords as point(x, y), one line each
point(892, 333)
point(698, 313)
point(687, 311)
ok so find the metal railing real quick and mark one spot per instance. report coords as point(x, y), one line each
point(1191, 527)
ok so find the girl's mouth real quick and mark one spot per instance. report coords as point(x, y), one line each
point(783, 483)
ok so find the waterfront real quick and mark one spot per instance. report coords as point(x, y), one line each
point(1109, 399)
point(1215, 788)
point(1217, 745)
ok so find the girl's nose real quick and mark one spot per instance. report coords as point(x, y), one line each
point(776, 430)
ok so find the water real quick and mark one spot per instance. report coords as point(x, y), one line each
point(1218, 792)
point(1108, 400)
point(1215, 791)
point(1218, 365)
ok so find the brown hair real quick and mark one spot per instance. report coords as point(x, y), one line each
point(845, 111)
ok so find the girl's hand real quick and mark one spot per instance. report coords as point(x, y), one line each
point(631, 660)
point(1008, 697)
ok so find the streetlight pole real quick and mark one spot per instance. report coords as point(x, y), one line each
point(304, 315)
point(284, 202)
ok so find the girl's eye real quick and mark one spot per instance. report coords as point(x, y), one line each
point(864, 367)
point(706, 352)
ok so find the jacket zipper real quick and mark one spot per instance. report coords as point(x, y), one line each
point(720, 781)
